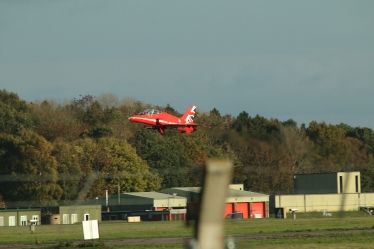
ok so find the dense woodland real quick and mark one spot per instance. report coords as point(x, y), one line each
point(60, 153)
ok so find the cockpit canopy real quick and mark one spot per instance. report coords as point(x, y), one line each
point(150, 112)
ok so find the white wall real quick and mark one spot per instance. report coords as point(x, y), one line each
point(330, 202)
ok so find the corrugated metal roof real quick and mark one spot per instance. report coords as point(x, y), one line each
point(187, 189)
point(241, 193)
point(20, 210)
point(231, 193)
point(154, 195)
point(168, 193)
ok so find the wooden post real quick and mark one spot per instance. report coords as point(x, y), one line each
point(209, 231)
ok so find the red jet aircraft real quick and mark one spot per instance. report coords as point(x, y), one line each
point(158, 120)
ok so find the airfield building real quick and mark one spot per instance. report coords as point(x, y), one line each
point(70, 214)
point(178, 204)
point(19, 217)
point(250, 204)
point(326, 192)
point(327, 183)
point(150, 206)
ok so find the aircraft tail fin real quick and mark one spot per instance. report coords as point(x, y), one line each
point(189, 115)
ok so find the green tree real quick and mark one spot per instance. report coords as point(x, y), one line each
point(90, 111)
point(367, 177)
point(349, 130)
point(366, 135)
point(31, 168)
point(265, 172)
point(241, 122)
point(116, 163)
point(69, 171)
point(198, 148)
point(289, 122)
point(296, 144)
point(165, 155)
point(97, 132)
point(257, 126)
point(329, 145)
point(214, 119)
point(358, 154)
point(14, 113)
point(56, 121)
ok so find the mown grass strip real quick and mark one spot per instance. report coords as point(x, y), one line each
point(121, 229)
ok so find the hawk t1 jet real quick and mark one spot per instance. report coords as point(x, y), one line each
point(158, 120)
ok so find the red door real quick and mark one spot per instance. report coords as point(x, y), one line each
point(258, 209)
point(229, 209)
point(243, 207)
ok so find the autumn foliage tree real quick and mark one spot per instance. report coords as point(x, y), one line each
point(14, 113)
point(30, 170)
point(108, 163)
point(56, 121)
point(266, 172)
point(331, 150)
point(70, 151)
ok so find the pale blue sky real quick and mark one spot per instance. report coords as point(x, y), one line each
point(305, 60)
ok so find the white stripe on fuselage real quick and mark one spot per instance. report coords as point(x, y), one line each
point(154, 120)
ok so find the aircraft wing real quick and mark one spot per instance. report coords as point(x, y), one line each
point(183, 125)
point(174, 126)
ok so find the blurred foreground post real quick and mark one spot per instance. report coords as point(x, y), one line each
point(209, 230)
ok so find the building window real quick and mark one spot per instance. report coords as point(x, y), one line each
point(36, 218)
point(86, 217)
point(341, 184)
point(1, 221)
point(23, 220)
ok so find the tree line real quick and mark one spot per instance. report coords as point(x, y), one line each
point(65, 152)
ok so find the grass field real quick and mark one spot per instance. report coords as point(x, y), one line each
point(304, 223)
